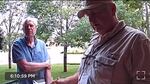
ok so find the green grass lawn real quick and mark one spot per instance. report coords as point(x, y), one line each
point(57, 71)
point(3, 69)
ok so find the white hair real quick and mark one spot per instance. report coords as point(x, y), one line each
point(34, 20)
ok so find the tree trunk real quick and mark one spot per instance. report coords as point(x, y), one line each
point(65, 49)
point(9, 55)
point(1, 42)
point(65, 57)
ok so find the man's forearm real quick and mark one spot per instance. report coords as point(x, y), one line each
point(31, 66)
point(72, 79)
point(69, 80)
point(48, 77)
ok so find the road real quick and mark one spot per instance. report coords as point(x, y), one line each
point(55, 56)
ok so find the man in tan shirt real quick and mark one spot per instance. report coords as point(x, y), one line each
point(118, 54)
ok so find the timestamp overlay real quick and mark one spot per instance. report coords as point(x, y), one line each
point(15, 75)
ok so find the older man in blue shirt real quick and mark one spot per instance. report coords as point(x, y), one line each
point(30, 54)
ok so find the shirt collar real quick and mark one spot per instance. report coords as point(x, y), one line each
point(35, 40)
point(121, 25)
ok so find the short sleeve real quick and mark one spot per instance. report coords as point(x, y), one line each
point(17, 53)
point(47, 56)
point(141, 60)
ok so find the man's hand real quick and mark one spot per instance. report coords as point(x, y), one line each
point(48, 66)
point(60, 81)
point(54, 82)
point(69, 80)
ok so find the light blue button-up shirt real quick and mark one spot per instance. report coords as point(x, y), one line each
point(37, 54)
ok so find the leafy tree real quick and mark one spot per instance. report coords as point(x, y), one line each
point(1, 38)
point(79, 35)
point(130, 12)
point(135, 13)
point(1, 5)
point(12, 15)
point(45, 12)
point(67, 13)
point(1, 30)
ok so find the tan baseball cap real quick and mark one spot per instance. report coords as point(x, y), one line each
point(90, 4)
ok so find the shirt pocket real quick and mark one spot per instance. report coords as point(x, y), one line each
point(85, 69)
point(103, 69)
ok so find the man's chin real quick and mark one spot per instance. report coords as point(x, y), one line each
point(30, 36)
